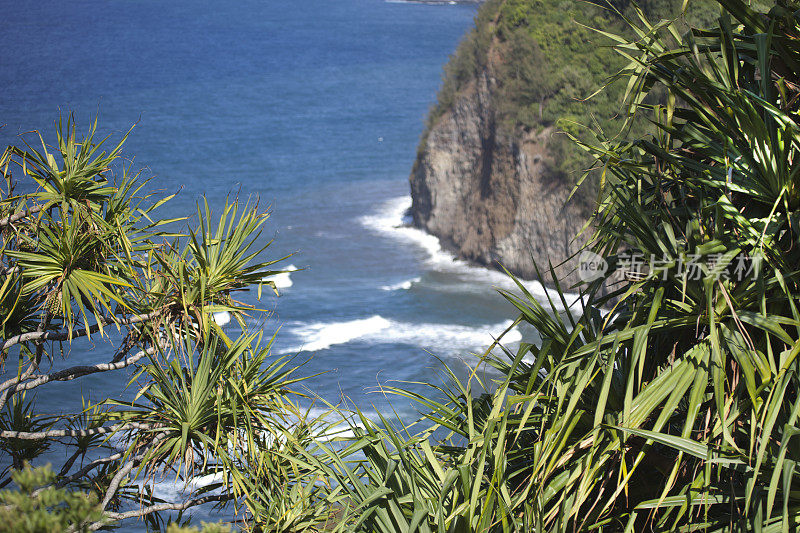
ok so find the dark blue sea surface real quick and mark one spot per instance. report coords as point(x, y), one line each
point(314, 106)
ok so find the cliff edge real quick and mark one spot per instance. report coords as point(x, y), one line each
point(491, 195)
point(485, 180)
point(494, 170)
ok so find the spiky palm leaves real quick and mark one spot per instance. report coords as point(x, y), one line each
point(676, 408)
point(449, 476)
point(81, 258)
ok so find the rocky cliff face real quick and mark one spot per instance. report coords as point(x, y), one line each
point(490, 195)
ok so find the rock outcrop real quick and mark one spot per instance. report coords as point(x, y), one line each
point(490, 195)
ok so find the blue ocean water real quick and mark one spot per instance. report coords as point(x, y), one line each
point(314, 106)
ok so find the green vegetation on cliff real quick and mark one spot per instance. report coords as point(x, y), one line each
point(547, 59)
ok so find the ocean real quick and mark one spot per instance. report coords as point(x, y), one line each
point(315, 107)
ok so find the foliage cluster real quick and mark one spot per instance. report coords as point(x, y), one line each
point(29, 510)
point(677, 407)
point(91, 284)
point(467, 61)
point(37, 506)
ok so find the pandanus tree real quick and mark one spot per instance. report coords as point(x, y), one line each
point(84, 264)
point(677, 409)
point(671, 403)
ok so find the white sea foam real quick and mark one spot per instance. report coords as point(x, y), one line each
point(392, 220)
point(441, 339)
point(282, 280)
point(222, 318)
point(321, 335)
point(168, 488)
point(338, 424)
point(403, 285)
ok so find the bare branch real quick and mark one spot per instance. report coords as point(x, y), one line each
point(41, 336)
point(89, 467)
point(178, 506)
point(101, 461)
point(113, 487)
point(74, 372)
point(4, 394)
point(45, 322)
point(80, 473)
point(19, 216)
point(60, 433)
point(70, 462)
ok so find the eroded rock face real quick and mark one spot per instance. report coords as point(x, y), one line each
point(489, 195)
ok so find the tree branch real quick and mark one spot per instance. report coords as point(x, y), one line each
point(19, 216)
point(73, 372)
point(113, 487)
point(4, 394)
point(88, 468)
point(99, 462)
point(41, 336)
point(83, 471)
point(181, 506)
point(74, 457)
point(60, 433)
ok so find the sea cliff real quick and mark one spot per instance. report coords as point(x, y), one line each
point(494, 168)
point(491, 194)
